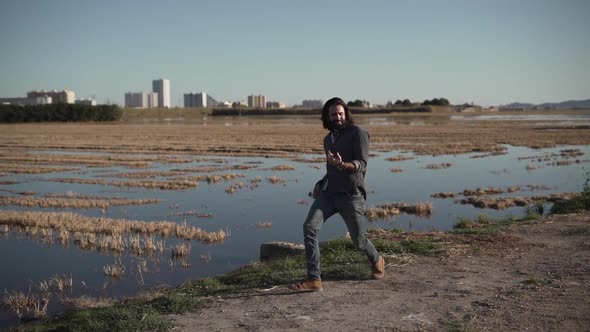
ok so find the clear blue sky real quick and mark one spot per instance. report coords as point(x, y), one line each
point(488, 52)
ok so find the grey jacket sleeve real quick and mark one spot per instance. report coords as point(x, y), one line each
point(360, 150)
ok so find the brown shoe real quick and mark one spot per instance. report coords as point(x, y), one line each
point(378, 269)
point(307, 286)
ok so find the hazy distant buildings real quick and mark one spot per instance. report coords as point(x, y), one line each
point(63, 96)
point(257, 101)
point(17, 101)
point(194, 99)
point(134, 99)
point(42, 97)
point(42, 100)
point(239, 104)
point(162, 88)
point(313, 104)
point(275, 104)
point(88, 101)
point(141, 100)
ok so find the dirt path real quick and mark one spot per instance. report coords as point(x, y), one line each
point(535, 276)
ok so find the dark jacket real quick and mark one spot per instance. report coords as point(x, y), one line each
point(352, 142)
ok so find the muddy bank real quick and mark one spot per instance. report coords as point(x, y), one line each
point(534, 275)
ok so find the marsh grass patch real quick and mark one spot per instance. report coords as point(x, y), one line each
point(485, 225)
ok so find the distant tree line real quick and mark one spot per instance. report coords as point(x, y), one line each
point(436, 102)
point(60, 112)
point(433, 102)
point(358, 103)
point(405, 102)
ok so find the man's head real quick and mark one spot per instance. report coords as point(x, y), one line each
point(336, 114)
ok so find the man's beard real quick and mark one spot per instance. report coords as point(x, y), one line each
point(335, 126)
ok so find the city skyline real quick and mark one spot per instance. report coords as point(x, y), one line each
point(489, 53)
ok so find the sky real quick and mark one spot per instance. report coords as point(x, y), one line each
point(487, 52)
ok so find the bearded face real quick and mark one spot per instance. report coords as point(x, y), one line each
point(337, 117)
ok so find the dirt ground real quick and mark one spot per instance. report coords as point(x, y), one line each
point(534, 276)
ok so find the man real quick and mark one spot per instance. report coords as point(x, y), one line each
point(342, 190)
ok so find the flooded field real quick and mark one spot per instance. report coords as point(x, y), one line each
point(116, 215)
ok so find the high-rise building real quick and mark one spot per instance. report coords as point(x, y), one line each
point(194, 99)
point(257, 101)
point(162, 87)
point(152, 99)
point(63, 96)
point(141, 100)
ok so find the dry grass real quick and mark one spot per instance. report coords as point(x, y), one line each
point(8, 160)
point(507, 202)
point(234, 187)
point(275, 179)
point(179, 184)
point(483, 191)
point(493, 153)
point(209, 169)
point(282, 168)
point(566, 162)
point(26, 306)
point(8, 182)
point(61, 283)
point(392, 209)
point(491, 191)
point(79, 224)
point(88, 160)
point(447, 194)
point(72, 202)
point(181, 250)
point(115, 270)
point(191, 213)
point(142, 175)
point(399, 158)
point(215, 178)
point(571, 153)
point(279, 138)
point(396, 170)
point(19, 168)
point(438, 166)
point(374, 213)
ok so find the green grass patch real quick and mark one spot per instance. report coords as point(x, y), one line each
point(536, 281)
point(455, 326)
point(578, 204)
point(485, 225)
point(340, 260)
point(134, 316)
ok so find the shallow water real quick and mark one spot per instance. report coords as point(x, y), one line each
point(577, 119)
point(27, 261)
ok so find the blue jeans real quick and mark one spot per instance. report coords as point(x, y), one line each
point(352, 209)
